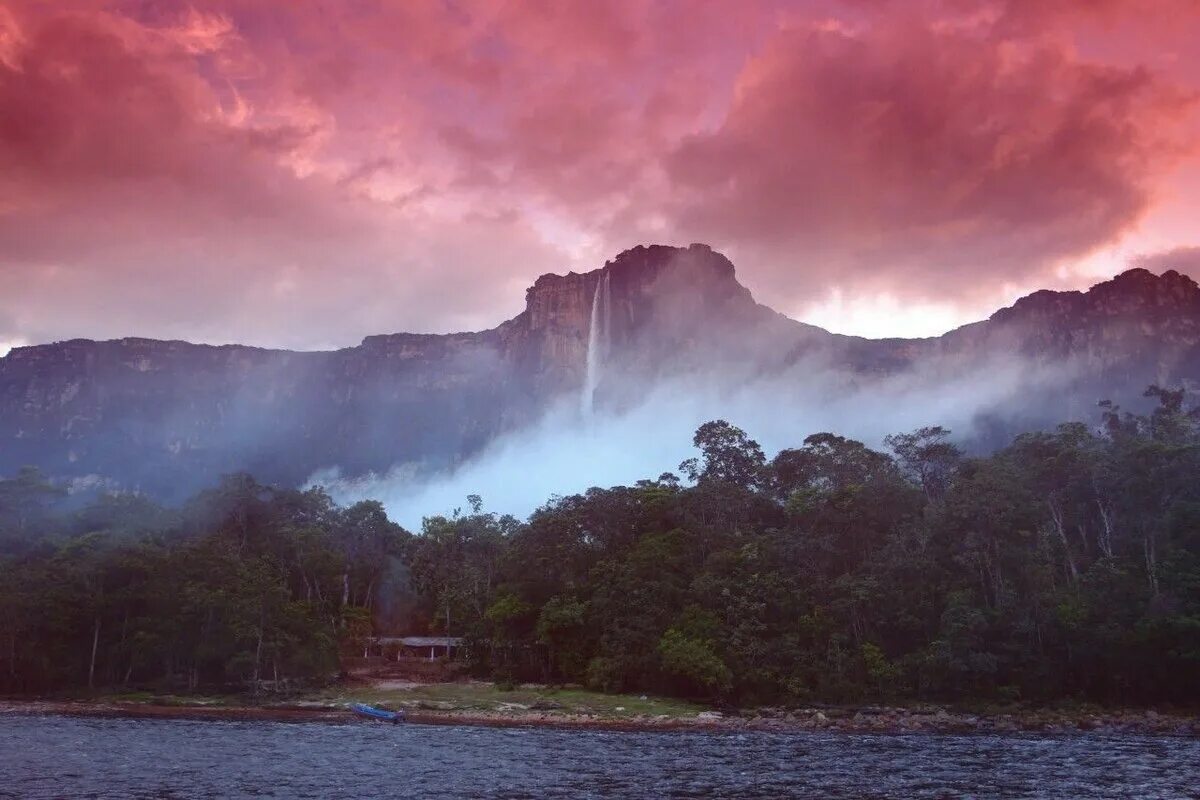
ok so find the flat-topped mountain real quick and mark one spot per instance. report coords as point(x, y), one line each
point(167, 416)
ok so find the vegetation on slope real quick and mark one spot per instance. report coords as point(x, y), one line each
point(1066, 565)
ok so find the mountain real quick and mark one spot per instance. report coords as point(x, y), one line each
point(168, 416)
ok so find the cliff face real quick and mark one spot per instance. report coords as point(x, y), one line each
point(168, 416)
point(1119, 336)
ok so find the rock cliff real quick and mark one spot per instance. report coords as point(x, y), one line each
point(167, 416)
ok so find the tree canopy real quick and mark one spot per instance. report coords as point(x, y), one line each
point(1064, 565)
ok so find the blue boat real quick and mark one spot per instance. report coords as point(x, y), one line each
point(381, 714)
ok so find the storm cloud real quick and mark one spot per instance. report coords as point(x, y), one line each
point(296, 175)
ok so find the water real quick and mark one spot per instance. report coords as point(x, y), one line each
point(42, 757)
point(598, 333)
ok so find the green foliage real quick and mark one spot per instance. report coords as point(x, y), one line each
point(249, 587)
point(562, 628)
point(26, 501)
point(605, 674)
point(727, 454)
point(693, 662)
point(880, 672)
point(1065, 565)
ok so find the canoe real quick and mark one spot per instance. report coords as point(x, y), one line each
point(371, 712)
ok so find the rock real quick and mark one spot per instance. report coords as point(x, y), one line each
point(168, 416)
point(708, 716)
point(434, 705)
point(508, 707)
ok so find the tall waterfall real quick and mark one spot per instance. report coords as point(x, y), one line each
point(597, 350)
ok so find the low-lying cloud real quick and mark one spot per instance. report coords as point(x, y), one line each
point(565, 453)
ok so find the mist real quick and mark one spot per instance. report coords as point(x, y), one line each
point(622, 441)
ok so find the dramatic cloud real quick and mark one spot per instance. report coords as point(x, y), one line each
point(303, 175)
point(1180, 259)
point(908, 157)
point(143, 196)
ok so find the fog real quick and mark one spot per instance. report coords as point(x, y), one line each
point(570, 450)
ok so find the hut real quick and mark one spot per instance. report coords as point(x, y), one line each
point(426, 647)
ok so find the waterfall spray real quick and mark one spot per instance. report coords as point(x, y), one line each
point(597, 349)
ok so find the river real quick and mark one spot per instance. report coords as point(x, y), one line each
point(51, 756)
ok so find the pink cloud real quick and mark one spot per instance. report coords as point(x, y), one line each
point(305, 175)
point(903, 159)
point(142, 197)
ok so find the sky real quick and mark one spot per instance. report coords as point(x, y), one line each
point(303, 174)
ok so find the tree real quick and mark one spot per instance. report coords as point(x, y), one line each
point(927, 457)
point(561, 627)
point(1066, 564)
point(693, 661)
point(25, 504)
point(727, 454)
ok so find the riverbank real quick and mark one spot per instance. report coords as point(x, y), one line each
point(484, 704)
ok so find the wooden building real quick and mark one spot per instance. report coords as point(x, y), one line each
point(427, 647)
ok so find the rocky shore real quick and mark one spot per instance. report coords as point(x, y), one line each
point(942, 720)
point(883, 720)
point(848, 720)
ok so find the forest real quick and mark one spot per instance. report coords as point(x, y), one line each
point(1065, 566)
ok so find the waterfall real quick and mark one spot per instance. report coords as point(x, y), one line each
point(597, 349)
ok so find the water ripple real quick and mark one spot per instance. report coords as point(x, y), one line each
point(52, 757)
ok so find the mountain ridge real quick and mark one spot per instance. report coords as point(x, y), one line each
point(1139, 277)
point(167, 415)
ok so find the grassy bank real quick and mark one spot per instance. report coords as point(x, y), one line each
point(478, 697)
point(477, 703)
point(470, 697)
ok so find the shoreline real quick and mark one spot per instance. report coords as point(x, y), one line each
point(826, 719)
